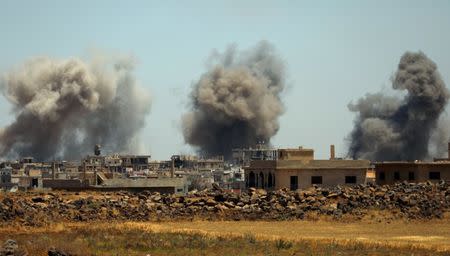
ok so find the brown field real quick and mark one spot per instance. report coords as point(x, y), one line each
point(237, 238)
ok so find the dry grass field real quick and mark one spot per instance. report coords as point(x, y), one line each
point(237, 238)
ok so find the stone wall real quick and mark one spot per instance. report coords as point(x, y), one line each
point(404, 200)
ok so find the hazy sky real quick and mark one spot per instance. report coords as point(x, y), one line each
point(335, 52)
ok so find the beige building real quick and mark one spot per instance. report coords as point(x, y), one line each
point(417, 171)
point(198, 163)
point(393, 172)
point(297, 169)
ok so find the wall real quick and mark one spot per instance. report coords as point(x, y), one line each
point(62, 184)
point(330, 177)
point(296, 154)
point(421, 171)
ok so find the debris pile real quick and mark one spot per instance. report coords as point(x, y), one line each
point(404, 200)
point(11, 248)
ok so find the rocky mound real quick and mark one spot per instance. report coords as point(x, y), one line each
point(405, 200)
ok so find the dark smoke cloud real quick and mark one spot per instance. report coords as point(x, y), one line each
point(389, 128)
point(64, 107)
point(236, 103)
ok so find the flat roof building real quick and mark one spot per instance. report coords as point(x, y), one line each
point(393, 172)
point(415, 171)
point(297, 169)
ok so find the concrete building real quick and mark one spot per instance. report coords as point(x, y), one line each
point(296, 154)
point(5, 177)
point(416, 171)
point(393, 172)
point(243, 156)
point(196, 163)
point(5, 173)
point(93, 163)
point(297, 169)
point(113, 163)
point(135, 162)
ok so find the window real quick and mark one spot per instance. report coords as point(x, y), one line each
point(396, 176)
point(350, 179)
point(411, 176)
point(434, 175)
point(179, 190)
point(294, 182)
point(316, 179)
point(382, 176)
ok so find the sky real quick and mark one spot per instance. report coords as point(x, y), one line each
point(334, 51)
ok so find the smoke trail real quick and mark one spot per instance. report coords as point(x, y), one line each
point(236, 103)
point(64, 107)
point(388, 128)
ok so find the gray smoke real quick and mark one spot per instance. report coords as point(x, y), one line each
point(63, 108)
point(389, 128)
point(236, 103)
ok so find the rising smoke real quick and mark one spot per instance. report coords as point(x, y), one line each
point(63, 108)
point(236, 103)
point(389, 128)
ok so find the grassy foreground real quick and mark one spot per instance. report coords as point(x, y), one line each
point(236, 238)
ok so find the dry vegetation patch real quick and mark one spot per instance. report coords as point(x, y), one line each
point(236, 238)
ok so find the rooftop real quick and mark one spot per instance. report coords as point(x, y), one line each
point(312, 164)
point(412, 163)
point(324, 164)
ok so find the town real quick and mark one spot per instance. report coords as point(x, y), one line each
point(224, 128)
point(258, 167)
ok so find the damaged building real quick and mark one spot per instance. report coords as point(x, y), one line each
point(94, 172)
point(197, 163)
point(243, 156)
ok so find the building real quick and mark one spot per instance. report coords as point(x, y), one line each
point(297, 169)
point(196, 163)
point(93, 163)
point(393, 172)
point(113, 163)
point(135, 162)
point(416, 171)
point(5, 177)
point(243, 156)
point(301, 154)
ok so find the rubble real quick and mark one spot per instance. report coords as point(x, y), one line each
point(404, 200)
point(55, 252)
point(11, 248)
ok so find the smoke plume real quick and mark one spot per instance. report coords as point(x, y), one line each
point(389, 128)
point(236, 103)
point(63, 108)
